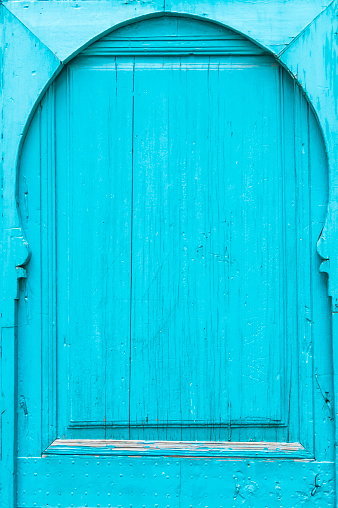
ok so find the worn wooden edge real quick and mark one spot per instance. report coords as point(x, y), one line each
point(98, 447)
point(161, 51)
point(175, 425)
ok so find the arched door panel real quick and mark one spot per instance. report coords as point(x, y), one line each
point(179, 177)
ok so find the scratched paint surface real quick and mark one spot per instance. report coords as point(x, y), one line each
point(180, 198)
point(174, 483)
point(166, 319)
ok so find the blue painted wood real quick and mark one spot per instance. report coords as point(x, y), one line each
point(190, 449)
point(192, 325)
point(67, 27)
point(173, 35)
point(71, 169)
point(323, 96)
point(175, 482)
point(22, 54)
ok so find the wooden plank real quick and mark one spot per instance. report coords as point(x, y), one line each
point(301, 57)
point(303, 261)
point(23, 54)
point(93, 224)
point(199, 196)
point(31, 306)
point(8, 421)
point(176, 449)
point(321, 319)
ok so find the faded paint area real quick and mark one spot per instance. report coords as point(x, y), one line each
point(176, 448)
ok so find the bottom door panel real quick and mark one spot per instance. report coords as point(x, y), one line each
point(173, 483)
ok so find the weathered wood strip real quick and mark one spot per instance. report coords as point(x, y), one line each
point(176, 448)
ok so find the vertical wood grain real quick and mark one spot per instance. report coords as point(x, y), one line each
point(183, 214)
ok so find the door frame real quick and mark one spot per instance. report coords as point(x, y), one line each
point(35, 53)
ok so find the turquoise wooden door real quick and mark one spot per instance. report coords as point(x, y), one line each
point(172, 187)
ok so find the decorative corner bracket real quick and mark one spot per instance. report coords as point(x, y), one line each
point(325, 248)
point(21, 254)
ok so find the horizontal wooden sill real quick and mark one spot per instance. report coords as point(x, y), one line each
point(110, 447)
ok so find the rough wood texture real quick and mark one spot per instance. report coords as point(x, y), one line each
point(109, 447)
point(26, 67)
point(311, 58)
point(65, 27)
point(177, 482)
